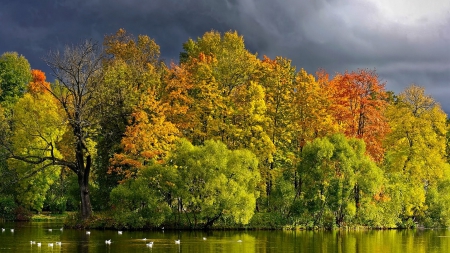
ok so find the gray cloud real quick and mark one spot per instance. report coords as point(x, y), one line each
point(405, 44)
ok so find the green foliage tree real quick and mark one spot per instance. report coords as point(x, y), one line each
point(215, 182)
point(15, 74)
point(38, 125)
point(142, 202)
point(339, 178)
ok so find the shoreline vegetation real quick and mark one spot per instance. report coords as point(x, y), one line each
point(221, 139)
point(260, 221)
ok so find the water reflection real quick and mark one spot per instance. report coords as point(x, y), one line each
point(434, 241)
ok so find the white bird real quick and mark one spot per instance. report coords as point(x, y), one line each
point(88, 232)
point(32, 242)
point(177, 241)
point(239, 241)
point(3, 230)
point(144, 239)
point(61, 229)
point(50, 244)
point(204, 238)
point(12, 230)
point(50, 230)
point(58, 243)
point(150, 244)
point(119, 232)
point(39, 244)
point(108, 241)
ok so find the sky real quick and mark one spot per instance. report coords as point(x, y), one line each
point(405, 41)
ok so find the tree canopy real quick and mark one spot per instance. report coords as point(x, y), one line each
point(224, 136)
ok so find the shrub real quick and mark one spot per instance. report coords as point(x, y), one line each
point(7, 207)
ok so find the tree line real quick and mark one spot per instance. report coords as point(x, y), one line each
point(222, 136)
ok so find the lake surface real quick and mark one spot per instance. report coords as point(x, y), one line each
point(388, 241)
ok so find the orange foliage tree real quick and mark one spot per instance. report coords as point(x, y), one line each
point(38, 83)
point(358, 104)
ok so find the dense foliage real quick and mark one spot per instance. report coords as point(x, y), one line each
point(223, 139)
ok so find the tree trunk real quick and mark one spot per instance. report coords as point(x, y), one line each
point(83, 184)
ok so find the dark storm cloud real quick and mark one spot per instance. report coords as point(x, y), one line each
point(405, 43)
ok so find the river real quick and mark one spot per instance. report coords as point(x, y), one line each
point(376, 241)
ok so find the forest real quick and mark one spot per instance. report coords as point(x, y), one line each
point(223, 138)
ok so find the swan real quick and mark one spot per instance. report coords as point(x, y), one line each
point(58, 243)
point(50, 230)
point(177, 241)
point(39, 244)
point(108, 241)
point(32, 242)
point(239, 241)
point(204, 238)
point(3, 230)
point(12, 230)
point(150, 244)
point(50, 244)
point(119, 232)
point(88, 232)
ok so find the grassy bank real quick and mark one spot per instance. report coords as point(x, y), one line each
point(47, 216)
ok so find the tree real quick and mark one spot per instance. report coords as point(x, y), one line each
point(15, 74)
point(358, 101)
point(232, 101)
point(126, 75)
point(77, 71)
point(38, 126)
point(338, 178)
point(134, 77)
point(416, 147)
point(215, 182)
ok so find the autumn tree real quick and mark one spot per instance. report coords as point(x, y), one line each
point(134, 77)
point(358, 102)
point(227, 79)
point(235, 71)
point(416, 148)
point(193, 93)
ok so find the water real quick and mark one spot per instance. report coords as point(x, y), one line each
point(389, 241)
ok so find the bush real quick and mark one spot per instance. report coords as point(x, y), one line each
point(22, 214)
point(7, 207)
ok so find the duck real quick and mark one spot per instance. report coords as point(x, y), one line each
point(3, 230)
point(108, 241)
point(239, 241)
point(50, 230)
point(32, 242)
point(150, 244)
point(50, 244)
point(177, 241)
point(38, 244)
point(204, 238)
point(58, 243)
point(119, 232)
point(88, 232)
point(12, 230)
